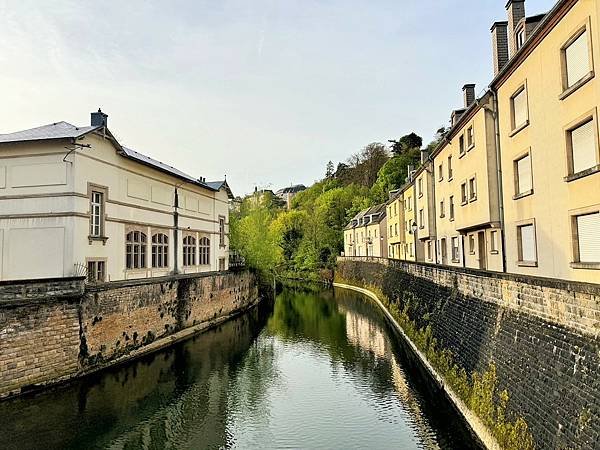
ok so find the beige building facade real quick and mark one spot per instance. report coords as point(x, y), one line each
point(366, 234)
point(74, 201)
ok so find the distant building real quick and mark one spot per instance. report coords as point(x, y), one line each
point(74, 201)
point(286, 194)
point(366, 234)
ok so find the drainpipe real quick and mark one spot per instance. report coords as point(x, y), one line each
point(176, 232)
point(496, 116)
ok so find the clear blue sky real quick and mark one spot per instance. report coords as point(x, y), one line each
point(265, 91)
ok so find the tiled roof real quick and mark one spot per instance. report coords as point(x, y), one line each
point(58, 130)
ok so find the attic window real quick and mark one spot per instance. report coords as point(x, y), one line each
point(520, 37)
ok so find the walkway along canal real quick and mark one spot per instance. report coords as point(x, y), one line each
point(314, 369)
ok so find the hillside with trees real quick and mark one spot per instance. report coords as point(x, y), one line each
point(305, 240)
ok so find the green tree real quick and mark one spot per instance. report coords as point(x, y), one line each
point(406, 143)
point(393, 174)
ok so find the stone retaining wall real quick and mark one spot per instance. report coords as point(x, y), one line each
point(52, 330)
point(540, 334)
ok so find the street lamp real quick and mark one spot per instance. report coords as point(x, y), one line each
point(414, 231)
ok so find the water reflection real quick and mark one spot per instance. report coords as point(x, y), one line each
point(316, 370)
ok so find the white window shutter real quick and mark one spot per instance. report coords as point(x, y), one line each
point(520, 108)
point(524, 174)
point(588, 231)
point(583, 145)
point(577, 59)
point(528, 243)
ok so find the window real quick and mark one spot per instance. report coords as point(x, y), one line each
point(441, 172)
point(409, 203)
point(463, 193)
point(455, 249)
point(472, 244)
point(96, 213)
point(526, 243)
point(520, 38)
point(581, 142)
point(472, 189)
point(421, 218)
point(429, 250)
point(189, 251)
point(420, 186)
point(395, 210)
point(204, 251)
point(135, 250)
point(449, 168)
point(96, 271)
point(470, 138)
point(160, 250)
point(221, 264)
point(442, 212)
point(494, 241)
point(444, 249)
point(461, 144)
point(221, 231)
point(519, 109)
point(391, 233)
point(587, 245)
point(576, 59)
point(523, 179)
point(451, 207)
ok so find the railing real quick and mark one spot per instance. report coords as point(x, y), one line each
point(236, 261)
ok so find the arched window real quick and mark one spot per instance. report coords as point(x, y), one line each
point(189, 251)
point(204, 254)
point(160, 250)
point(135, 250)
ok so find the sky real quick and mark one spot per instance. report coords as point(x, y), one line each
point(264, 92)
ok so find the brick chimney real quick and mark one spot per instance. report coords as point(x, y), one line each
point(469, 94)
point(99, 119)
point(499, 45)
point(516, 11)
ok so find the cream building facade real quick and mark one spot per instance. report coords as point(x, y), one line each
point(395, 224)
point(366, 234)
point(74, 201)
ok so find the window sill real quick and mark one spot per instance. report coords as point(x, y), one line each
point(527, 263)
point(455, 261)
point(420, 195)
point(97, 238)
point(442, 216)
point(440, 179)
point(523, 194)
point(450, 179)
point(519, 128)
point(461, 154)
point(470, 147)
point(421, 228)
point(590, 266)
point(474, 199)
point(494, 252)
point(577, 85)
point(582, 174)
point(463, 203)
point(451, 219)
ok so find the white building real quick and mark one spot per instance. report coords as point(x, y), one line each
point(74, 201)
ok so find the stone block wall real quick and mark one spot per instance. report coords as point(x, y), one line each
point(541, 335)
point(52, 330)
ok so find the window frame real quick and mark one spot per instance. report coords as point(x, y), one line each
point(566, 90)
point(573, 215)
point(464, 193)
point(103, 191)
point(592, 116)
point(517, 194)
point(96, 262)
point(457, 248)
point(142, 254)
point(451, 210)
point(515, 128)
point(462, 147)
point(472, 192)
point(420, 186)
point(470, 133)
point(449, 168)
point(189, 250)
point(442, 209)
point(520, 261)
point(441, 171)
point(204, 251)
point(494, 242)
point(471, 244)
point(159, 249)
point(222, 231)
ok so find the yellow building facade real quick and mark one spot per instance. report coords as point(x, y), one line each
point(425, 210)
point(395, 224)
point(548, 99)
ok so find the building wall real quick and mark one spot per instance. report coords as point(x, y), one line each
point(53, 330)
point(395, 226)
point(409, 252)
point(45, 216)
point(554, 200)
point(539, 334)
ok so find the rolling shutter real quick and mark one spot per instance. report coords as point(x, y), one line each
point(583, 146)
point(520, 108)
point(527, 243)
point(577, 59)
point(524, 175)
point(588, 231)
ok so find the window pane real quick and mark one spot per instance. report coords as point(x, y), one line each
point(520, 108)
point(577, 60)
point(584, 147)
point(524, 175)
point(588, 231)
point(527, 243)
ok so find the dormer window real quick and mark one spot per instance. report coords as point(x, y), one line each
point(520, 37)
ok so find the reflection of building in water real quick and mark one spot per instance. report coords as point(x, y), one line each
point(369, 335)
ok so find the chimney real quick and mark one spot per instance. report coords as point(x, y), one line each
point(516, 11)
point(424, 155)
point(99, 119)
point(499, 45)
point(469, 94)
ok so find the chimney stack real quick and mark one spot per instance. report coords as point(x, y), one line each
point(499, 45)
point(424, 155)
point(99, 119)
point(516, 11)
point(469, 94)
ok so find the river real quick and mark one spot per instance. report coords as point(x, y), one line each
point(313, 369)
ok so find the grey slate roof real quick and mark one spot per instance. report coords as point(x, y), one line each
point(377, 211)
point(58, 130)
point(65, 130)
point(291, 189)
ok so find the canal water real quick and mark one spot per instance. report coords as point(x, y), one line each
point(313, 369)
